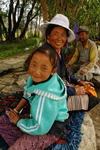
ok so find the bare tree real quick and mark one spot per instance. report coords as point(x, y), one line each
point(20, 11)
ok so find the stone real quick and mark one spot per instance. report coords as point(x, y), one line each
point(2, 86)
point(95, 116)
point(7, 80)
point(23, 76)
point(12, 89)
point(5, 67)
point(96, 80)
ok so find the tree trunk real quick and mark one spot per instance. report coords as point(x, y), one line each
point(4, 28)
point(9, 19)
point(99, 32)
point(44, 10)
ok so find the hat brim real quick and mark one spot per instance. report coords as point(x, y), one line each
point(43, 28)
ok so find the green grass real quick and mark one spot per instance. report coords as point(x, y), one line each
point(9, 49)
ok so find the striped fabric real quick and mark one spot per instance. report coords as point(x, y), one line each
point(78, 102)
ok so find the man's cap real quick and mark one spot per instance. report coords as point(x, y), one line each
point(82, 29)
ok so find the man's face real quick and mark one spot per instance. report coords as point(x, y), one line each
point(83, 37)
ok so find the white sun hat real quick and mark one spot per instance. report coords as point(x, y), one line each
point(59, 20)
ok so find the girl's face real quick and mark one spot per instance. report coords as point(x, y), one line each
point(40, 67)
point(58, 38)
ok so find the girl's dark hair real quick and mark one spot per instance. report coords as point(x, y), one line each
point(49, 51)
point(51, 27)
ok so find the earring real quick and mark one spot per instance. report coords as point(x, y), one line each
point(48, 37)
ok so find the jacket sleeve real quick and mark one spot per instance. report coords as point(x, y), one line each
point(72, 79)
point(75, 57)
point(43, 115)
point(70, 91)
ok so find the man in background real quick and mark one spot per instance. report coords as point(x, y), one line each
point(83, 64)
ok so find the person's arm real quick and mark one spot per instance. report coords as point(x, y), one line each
point(20, 105)
point(71, 91)
point(14, 113)
point(76, 90)
point(42, 116)
point(93, 57)
point(85, 83)
point(74, 59)
point(72, 79)
point(24, 100)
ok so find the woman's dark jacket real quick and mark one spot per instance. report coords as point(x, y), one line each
point(63, 73)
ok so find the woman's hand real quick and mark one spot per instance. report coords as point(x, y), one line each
point(80, 90)
point(14, 117)
point(85, 83)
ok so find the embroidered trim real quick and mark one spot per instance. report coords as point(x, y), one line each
point(46, 94)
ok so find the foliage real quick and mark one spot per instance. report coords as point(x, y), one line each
point(12, 48)
point(83, 12)
point(19, 15)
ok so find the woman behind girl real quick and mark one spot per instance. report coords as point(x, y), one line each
point(58, 35)
point(46, 94)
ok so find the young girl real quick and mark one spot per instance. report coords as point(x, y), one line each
point(46, 94)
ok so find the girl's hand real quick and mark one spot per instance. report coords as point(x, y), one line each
point(14, 117)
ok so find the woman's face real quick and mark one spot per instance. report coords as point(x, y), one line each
point(58, 38)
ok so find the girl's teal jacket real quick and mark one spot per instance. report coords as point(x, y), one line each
point(47, 105)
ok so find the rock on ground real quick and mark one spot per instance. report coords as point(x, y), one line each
point(88, 138)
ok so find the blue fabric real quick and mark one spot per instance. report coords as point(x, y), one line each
point(72, 132)
point(62, 71)
point(71, 91)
